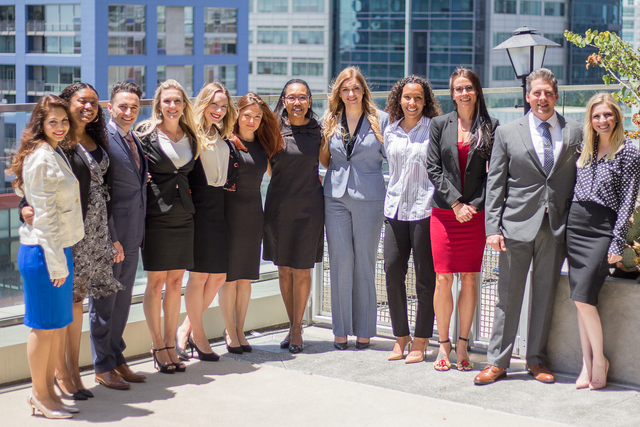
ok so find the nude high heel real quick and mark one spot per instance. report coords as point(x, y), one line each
point(48, 413)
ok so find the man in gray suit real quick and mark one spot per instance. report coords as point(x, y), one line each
point(529, 190)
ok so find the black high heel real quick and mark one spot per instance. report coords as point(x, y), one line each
point(182, 352)
point(234, 350)
point(206, 357)
point(180, 366)
point(161, 367)
point(78, 395)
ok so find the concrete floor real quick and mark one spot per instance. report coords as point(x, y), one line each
point(325, 387)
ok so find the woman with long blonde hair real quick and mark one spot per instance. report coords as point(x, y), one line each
point(605, 195)
point(256, 138)
point(215, 171)
point(354, 191)
point(171, 146)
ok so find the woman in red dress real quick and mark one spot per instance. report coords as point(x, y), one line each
point(460, 147)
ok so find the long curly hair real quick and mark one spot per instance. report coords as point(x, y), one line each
point(394, 108)
point(590, 135)
point(203, 100)
point(281, 110)
point(33, 134)
point(482, 130)
point(187, 120)
point(268, 133)
point(97, 129)
point(335, 106)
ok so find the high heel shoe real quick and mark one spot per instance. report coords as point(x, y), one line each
point(206, 357)
point(85, 392)
point(398, 356)
point(416, 359)
point(464, 364)
point(165, 368)
point(234, 350)
point(442, 362)
point(78, 395)
point(48, 413)
point(287, 341)
point(600, 384)
point(180, 366)
point(182, 352)
point(69, 409)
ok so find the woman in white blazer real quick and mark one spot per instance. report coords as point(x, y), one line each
point(354, 190)
point(45, 178)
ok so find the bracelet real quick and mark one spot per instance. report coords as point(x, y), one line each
point(455, 204)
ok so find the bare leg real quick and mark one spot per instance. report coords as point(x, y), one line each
point(285, 275)
point(193, 296)
point(51, 364)
point(152, 305)
point(443, 308)
point(227, 300)
point(593, 328)
point(301, 291)
point(171, 309)
point(243, 296)
point(201, 290)
point(587, 357)
point(211, 288)
point(72, 350)
point(466, 309)
point(62, 371)
point(40, 358)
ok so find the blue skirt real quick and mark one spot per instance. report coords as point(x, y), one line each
point(45, 306)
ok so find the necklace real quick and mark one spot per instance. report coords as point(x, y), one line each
point(175, 137)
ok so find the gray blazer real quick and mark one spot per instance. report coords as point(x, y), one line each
point(518, 189)
point(361, 175)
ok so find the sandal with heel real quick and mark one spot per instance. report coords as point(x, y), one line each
point(442, 362)
point(464, 364)
point(179, 366)
point(165, 368)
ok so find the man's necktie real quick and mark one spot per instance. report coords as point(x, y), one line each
point(134, 148)
point(548, 147)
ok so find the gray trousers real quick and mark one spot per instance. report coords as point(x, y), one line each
point(547, 256)
point(353, 235)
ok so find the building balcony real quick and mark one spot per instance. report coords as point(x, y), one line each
point(8, 86)
point(40, 87)
point(40, 27)
point(7, 28)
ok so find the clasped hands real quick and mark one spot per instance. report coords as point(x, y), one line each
point(464, 212)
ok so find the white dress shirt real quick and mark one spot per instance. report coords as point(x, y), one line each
point(409, 191)
point(536, 136)
point(178, 152)
point(215, 161)
point(53, 191)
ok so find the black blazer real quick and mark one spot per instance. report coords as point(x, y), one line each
point(198, 177)
point(165, 177)
point(443, 165)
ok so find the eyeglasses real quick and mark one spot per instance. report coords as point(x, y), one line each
point(460, 89)
point(302, 98)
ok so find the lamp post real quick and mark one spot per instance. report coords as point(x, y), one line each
point(526, 51)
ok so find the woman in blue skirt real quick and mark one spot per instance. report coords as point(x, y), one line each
point(45, 178)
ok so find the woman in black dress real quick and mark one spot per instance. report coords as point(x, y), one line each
point(171, 147)
point(294, 209)
point(604, 198)
point(214, 171)
point(256, 137)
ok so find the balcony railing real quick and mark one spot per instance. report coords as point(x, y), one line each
point(7, 85)
point(7, 26)
point(42, 26)
point(40, 87)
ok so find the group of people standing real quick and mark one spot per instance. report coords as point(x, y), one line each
point(185, 187)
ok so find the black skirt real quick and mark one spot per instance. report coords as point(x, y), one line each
point(211, 243)
point(168, 239)
point(589, 234)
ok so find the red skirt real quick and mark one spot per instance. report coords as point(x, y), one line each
point(457, 247)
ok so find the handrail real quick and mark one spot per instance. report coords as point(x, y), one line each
point(15, 108)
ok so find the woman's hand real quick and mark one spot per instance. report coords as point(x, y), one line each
point(58, 282)
point(464, 212)
point(120, 256)
point(27, 214)
point(613, 258)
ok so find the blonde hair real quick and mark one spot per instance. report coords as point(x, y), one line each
point(187, 122)
point(591, 136)
point(335, 106)
point(204, 99)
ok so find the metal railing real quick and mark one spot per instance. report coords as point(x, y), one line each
point(34, 26)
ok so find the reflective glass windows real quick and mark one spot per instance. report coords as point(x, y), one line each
point(307, 67)
point(307, 35)
point(225, 74)
point(42, 80)
point(49, 27)
point(273, 5)
point(127, 29)
point(307, 5)
point(134, 74)
point(175, 30)
point(183, 74)
point(552, 8)
point(528, 7)
point(273, 66)
point(505, 6)
point(7, 29)
point(220, 31)
point(272, 35)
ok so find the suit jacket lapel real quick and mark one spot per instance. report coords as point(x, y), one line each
point(566, 139)
point(124, 145)
point(364, 129)
point(525, 134)
point(450, 136)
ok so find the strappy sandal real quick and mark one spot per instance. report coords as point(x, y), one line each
point(464, 364)
point(165, 368)
point(442, 363)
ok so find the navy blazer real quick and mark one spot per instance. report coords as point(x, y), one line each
point(129, 191)
point(361, 175)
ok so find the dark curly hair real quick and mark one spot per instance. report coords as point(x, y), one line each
point(281, 110)
point(431, 105)
point(97, 130)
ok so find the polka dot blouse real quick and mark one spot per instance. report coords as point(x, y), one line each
point(613, 184)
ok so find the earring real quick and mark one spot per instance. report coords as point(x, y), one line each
point(96, 119)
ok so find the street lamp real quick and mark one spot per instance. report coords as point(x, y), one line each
point(526, 51)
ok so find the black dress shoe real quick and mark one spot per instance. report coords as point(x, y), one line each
point(235, 350)
point(78, 395)
point(362, 345)
point(205, 357)
point(295, 349)
point(341, 345)
point(246, 348)
point(86, 392)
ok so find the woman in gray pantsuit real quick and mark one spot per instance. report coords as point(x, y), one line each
point(354, 192)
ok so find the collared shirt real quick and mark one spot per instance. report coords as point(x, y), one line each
point(409, 191)
point(613, 184)
point(178, 152)
point(536, 135)
point(120, 130)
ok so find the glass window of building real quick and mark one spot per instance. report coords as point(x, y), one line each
point(273, 5)
point(627, 25)
point(127, 29)
point(628, 12)
point(299, 35)
point(556, 37)
point(134, 74)
point(220, 31)
point(225, 74)
point(500, 37)
point(272, 35)
point(175, 30)
point(183, 74)
point(8, 84)
point(505, 6)
point(7, 29)
point(552, 8)
point(503, 73)
point(49, 27)
point(42, 80)
point(528, 7)
point(307, 67)
point(274, 66)
point(557, 70)
point(308, 5)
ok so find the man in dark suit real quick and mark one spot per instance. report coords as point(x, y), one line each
point(529, 190)
point(108, 316)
